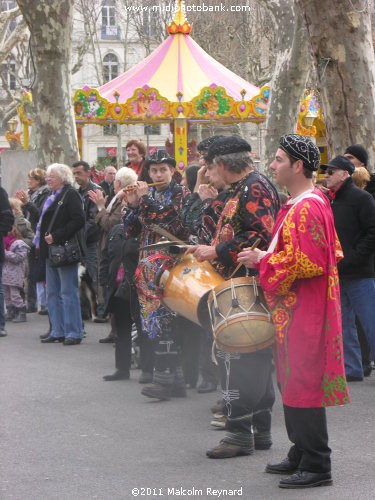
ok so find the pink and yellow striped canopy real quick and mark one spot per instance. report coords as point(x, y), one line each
point(179, 64)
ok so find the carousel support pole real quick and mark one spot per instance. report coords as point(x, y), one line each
point(25, 136)
point(147, 130)
point(180, 143)
point(119, 147)
point(79, 140)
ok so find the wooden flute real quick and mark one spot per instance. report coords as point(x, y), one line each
point(128, 189)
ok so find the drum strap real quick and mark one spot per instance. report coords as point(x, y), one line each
point(303, 196)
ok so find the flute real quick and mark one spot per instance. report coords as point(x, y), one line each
point(128, 189)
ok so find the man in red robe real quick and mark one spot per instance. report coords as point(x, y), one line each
point(298, 274)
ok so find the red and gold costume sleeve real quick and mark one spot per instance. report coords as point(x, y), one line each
point(302, 248)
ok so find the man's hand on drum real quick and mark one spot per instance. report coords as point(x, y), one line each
point(249, 257)
point(207, 192)
point(203, 252)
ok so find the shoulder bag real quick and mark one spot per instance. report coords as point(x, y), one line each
point(66, 254)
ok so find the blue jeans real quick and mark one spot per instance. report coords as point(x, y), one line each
point(2, 312)
point(63, 301)
point(357, 300)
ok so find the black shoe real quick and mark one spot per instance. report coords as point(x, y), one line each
point(71, 341)
point(367, 369)
point(206, 387)
point(178, 391)
point(44, 335)
point(157, 391)
point(100, 319)
point(50, 340)
point(118, 375)
point(145, 378)
point(31, 309)
point(305, 479)
point(350, 378)
point(284, 467)
point(43, 311)
point(107, 340)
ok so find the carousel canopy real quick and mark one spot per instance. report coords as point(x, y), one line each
point(178, 80)
point(179, 64)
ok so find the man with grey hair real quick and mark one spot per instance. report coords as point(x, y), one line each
point(250, 209)
point(107, 183)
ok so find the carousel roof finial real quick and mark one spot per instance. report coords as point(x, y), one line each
point(179, 23)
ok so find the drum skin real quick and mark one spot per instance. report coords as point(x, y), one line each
point(186, 286)
point(246, 328)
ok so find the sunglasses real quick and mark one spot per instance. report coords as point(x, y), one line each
point(331, 171)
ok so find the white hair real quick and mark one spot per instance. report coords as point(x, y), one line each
point(62, 171)
point(126, 176)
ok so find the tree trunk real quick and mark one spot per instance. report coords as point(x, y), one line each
point(50, 25)
point(289, 76)
point(341, 45)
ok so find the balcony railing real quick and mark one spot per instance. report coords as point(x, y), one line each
point(111, 32)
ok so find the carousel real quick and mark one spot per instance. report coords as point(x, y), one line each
point(178, 83)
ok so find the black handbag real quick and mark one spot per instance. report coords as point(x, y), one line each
point(66, 254)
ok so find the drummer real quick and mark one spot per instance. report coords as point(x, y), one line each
point(250, 209)
point(299, 276)
point(159, 205)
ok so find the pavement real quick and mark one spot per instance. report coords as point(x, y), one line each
point(65, 434)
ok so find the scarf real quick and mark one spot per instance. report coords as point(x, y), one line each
point(51, 198)
point(8, 240)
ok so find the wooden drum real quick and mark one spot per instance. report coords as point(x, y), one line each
point(239, 316)
point(186, 286)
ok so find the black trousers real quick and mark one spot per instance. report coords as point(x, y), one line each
point(250, 395)
point(168, 360)
point(32, 301)
point(207, 368)
point(307, 430)
point(125, 313)
point(190, 337)
point(123, 343)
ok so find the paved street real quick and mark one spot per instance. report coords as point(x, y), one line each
point(67, 435)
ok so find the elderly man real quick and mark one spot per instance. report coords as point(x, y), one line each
point(298, 274)
point(354, 213)
point(251, 204)
point(107, 183)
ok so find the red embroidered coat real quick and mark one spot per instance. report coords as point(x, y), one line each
point(301, 286)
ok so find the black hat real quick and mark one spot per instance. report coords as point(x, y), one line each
point(157, 159)
point(226, 146)
point(302, 148)
point(206, 143)
point(340, 162)
point(358, 152)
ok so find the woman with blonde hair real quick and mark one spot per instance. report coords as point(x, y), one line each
point(361, 177)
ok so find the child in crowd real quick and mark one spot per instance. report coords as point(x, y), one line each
point(16, 251)
point(21, 223)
